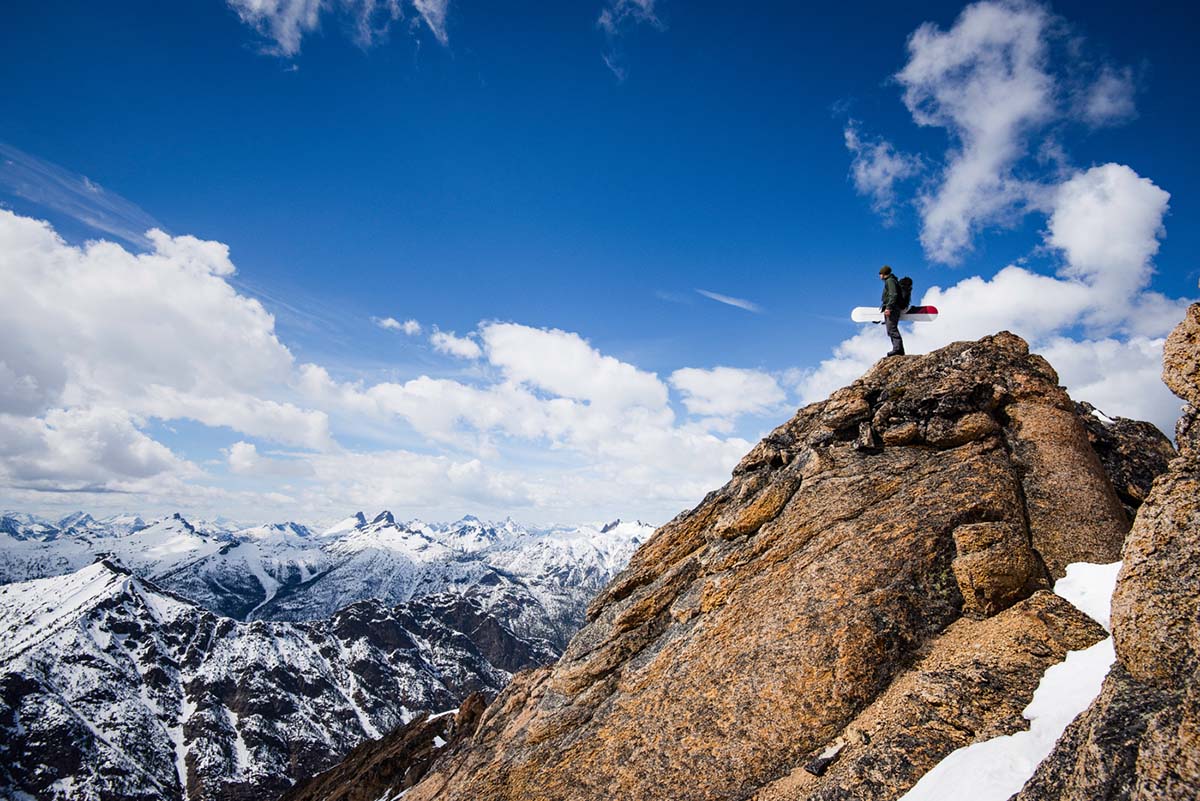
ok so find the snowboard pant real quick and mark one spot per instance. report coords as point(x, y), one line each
point(892, 323)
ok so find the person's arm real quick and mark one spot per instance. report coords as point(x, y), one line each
point(891, 291)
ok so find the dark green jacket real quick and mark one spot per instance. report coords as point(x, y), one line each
point(891, 293)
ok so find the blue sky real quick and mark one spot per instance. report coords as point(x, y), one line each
point(577, 170)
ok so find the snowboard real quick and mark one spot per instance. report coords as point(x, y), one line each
point(872, 314)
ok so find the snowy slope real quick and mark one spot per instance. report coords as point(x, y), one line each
point(539, 581)
point(249, 569)
point(115, 688)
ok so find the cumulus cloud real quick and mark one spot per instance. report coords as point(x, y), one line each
point(449, 343)
point(876, 168)
point(1106, 223)
point(243, 457)
point(565, 364)
point(986, 81)
point(286, 22)
point(81, 448)
point(104, 346)
point(996, 81)
point(96, 329)
point(606, 426)
point(727, 391)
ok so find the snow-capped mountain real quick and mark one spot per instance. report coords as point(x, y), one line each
point(128, 670)
point(116, 688)
point(247, 571)
point(538, 581)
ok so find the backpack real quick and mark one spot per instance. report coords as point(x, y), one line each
point(905, 299)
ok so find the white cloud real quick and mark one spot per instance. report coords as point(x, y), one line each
point(81, 447)
point(433, 12)
point(565, 364)
point(727, 391)
point(618, 12)
point(995, 81)
point(449, 343)
point(605, 426)
point(243, 457)
point(283, 21)
point(410, 327)
point(1118, 377)
point(986, 81)
point(1109, 99)
point(287, 22)
point(614, 19)
point(52, 187)
point(160, 334)
point(1106, 222)
point(876, 169)
point(739, 303)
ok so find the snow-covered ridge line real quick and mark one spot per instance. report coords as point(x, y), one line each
point(285, 571)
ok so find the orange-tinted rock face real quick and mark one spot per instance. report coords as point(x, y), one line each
point(756, 629)
point(1140, 739)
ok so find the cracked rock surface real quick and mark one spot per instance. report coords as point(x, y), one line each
point(892, 542)
point(1140, 739)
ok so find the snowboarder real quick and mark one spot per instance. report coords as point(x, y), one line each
point(890, 305)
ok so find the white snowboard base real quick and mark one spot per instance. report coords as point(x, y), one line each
point(915, 314)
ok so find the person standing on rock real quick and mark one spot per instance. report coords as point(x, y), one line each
point(890, 306)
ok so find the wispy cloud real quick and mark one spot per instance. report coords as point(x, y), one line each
point(286, 22)
point(876, 169)
point(615, 17)
point(740, 303)
point(61, 191)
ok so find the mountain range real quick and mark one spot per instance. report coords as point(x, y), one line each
point(168, 659)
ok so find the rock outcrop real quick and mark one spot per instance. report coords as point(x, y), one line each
point(1133, 453)
point(864, 596)
point(377, 768)
point(1140, 739)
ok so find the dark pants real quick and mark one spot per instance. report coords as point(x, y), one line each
point(892, 323)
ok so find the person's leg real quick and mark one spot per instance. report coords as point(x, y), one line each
point(892, 322)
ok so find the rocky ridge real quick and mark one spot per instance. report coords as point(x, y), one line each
point(867, 594)
point(1140, 739)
